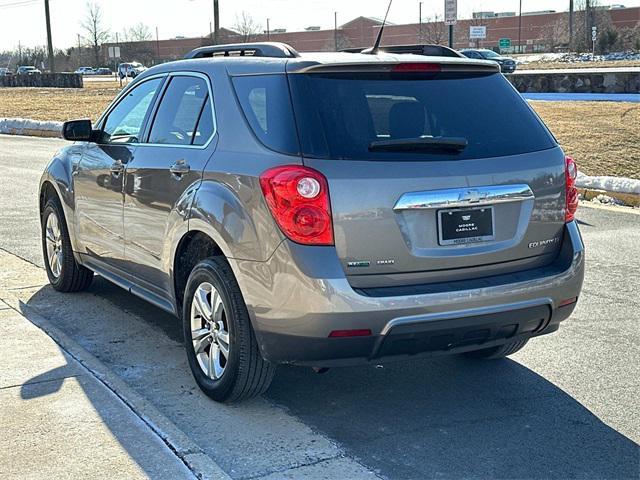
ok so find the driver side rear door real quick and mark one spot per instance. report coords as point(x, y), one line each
point(163, 177)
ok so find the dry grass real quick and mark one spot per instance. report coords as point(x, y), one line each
point(565, 65)
point(57, 103)
point(603, 136)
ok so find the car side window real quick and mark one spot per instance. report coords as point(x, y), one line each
point(125, 121)
point(184, 115)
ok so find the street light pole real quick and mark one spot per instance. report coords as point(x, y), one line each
point(268, 31)
point(80, 52)
point(52, 66)
point(335, 29)
point(520, 29)
point(420, 22)
point(216, 22)
point(570, 22)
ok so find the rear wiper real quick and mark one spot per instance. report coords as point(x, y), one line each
point(455, 144)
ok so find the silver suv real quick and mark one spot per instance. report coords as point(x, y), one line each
point(325, 209)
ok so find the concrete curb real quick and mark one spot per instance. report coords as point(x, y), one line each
point(627, 199)
point(31, 128)
point(196, 460)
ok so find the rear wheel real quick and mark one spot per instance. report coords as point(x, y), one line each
point(501, 351)
point(221, 347)
point(64, 273)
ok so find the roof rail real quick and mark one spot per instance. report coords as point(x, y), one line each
point(265, 49)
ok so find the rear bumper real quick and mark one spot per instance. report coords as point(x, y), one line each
point(301, 294)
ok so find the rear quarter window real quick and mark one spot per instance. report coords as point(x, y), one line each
point(266, 104)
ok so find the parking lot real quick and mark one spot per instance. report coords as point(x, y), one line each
point(567, 406)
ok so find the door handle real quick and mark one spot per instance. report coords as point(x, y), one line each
point(179, 168)
point(117, 167)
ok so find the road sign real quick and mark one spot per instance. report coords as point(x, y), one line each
point(477, 32)
point(594, 33)
point(505, 43)
point(114, 52)
point(450, 12)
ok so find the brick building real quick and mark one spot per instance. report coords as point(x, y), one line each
point(361, 32)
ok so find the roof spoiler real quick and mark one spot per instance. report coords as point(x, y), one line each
point(430, 50)
point(390, 67)
point(265, 49)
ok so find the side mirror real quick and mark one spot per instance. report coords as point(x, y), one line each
point(77, 130)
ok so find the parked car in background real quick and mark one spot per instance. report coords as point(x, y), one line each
point(132, 69)
point(507, 65)
point(103, 71)
point(351, 209)
point(27, 70)
point(86, 71)
point(4, 72)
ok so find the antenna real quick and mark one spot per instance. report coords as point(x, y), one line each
point(376, 46)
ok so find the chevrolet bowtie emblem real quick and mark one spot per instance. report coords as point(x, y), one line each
point(472, 196)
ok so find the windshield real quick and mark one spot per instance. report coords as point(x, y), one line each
point(489, 54)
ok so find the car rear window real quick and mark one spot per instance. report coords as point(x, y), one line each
point(340, 115)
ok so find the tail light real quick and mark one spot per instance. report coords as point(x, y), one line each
point(417, 68)
point(570, 173)
point(298, 198)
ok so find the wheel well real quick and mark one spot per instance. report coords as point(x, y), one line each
point(194, 247)
point(46, 192)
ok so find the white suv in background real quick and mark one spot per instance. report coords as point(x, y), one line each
point(132, 69)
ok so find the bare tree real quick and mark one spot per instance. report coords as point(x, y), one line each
point(138, 33)
point(96, 32)
point(433, 31)
point(556, 34)
point(246, 26)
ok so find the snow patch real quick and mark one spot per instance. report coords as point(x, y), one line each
point(25, 126)
point(610, 184)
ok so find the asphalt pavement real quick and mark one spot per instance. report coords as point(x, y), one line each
point(567, 406)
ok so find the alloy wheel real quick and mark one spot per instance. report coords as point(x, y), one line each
point(210, 331)
point(53, 236)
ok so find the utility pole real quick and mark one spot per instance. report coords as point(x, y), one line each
point(588, 24)
point(157, 44)
point(268, 31)
point(420, 22)
point(80, 52)
point(520, 29)
point(570, 22)
point(216, 22)
point(335, 29)
point(19, 53)
point(52, 66)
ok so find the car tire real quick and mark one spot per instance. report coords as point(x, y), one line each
point(64, 272)
point(496, 353)
point(215, 320)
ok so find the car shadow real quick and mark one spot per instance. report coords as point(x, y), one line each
point(456, 418)
point(420, 418)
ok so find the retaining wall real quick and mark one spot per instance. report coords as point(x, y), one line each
point(55, 80)
point(578, 82)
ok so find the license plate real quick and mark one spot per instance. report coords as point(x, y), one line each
point(462, 226)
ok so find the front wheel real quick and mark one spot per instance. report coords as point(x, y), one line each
point(221, 346)
point(64, 272)
point(496, 353)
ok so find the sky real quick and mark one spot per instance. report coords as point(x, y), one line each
point(24, 21)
